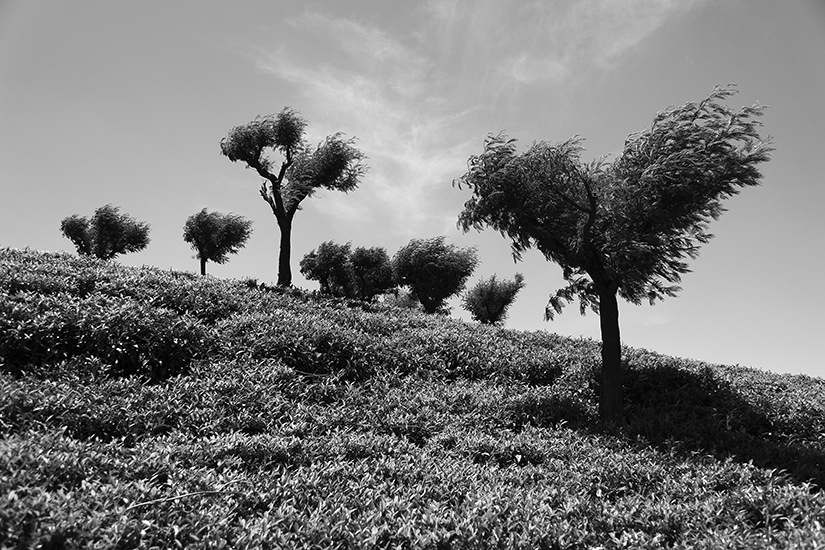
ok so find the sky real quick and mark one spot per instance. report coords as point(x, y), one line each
point(125, 103)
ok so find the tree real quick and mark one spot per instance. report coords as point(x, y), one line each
point(214, 236)
point(107, 234)
point(330, 266)
point(334, 164)
point(434, 270)
point(489, 299)
point(624, 227)
point(372, 272)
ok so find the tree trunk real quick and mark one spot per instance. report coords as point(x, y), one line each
point(611, 393)
point(203, 266)
point(284, 271)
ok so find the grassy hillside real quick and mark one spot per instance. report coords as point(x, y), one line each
point(141, 408)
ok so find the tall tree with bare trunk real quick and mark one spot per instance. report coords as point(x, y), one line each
point(334, 164)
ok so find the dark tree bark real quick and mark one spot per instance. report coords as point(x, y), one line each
point(611, 394)
point(284, 270)
point(203, 266)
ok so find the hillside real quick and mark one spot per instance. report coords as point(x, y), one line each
point(142, 407)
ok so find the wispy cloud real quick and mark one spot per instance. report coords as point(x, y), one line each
point(408, 98)
point(548, 41)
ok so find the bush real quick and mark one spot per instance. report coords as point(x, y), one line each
point(489, 299)
point(330, 266)
point(107, 234)
point(434, 270)
point(372, 272)
point(132, 337)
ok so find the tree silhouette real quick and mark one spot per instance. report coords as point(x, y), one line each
point(489, 299)
point(214, 236)
point(334, 164)
point(107, 234)
point(623, 228)
point(434, 270)
point(372, 272)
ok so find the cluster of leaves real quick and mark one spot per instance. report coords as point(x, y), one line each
point(362, 273)
point(334, 423)
point(106, 234)
point(214, 236)
point(434, 270)
point(489, 299)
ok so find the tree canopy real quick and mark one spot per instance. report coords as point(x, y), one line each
point(626, 226)
point(362, 273)
point(214, 236)
point(330, 265)
point(334, 164)
point(434, 270)
point(107, 234)
point(372, 271)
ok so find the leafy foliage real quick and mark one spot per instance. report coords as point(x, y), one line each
point(107, 234)
point(362, 273)
point(331, 266)
point(489, 299)
point(628, 224)
point(328, 422)
point(372, 272)
point(434, 270)
point(214, 236)
point(248, 143)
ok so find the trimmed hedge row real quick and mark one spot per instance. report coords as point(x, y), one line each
point(154, 322)
point(394, 461)
point(129, 336)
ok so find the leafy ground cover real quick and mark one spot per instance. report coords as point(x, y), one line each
point(147, 408)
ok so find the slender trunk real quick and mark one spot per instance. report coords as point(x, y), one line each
point(284, 271)
point(203, 266)
point(611, 394)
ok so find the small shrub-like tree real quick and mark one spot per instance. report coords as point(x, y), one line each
point(489, 299)
point(434, 270)
point(330, 265)
point(372, 272)
point(107, 234)
point(334, 164)
point(214, 236)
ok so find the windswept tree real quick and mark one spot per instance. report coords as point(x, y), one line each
point(214, 236)
point(372, 272)
point(489, 299)
point(107, 234)
point(624, 228)
point(334, 164)
point(434, 270)
point(330, 265)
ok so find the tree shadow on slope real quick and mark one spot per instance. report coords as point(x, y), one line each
point(694, 410)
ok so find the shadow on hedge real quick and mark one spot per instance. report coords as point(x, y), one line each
point(694, 411)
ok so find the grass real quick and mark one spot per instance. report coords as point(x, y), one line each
point(147, 408)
